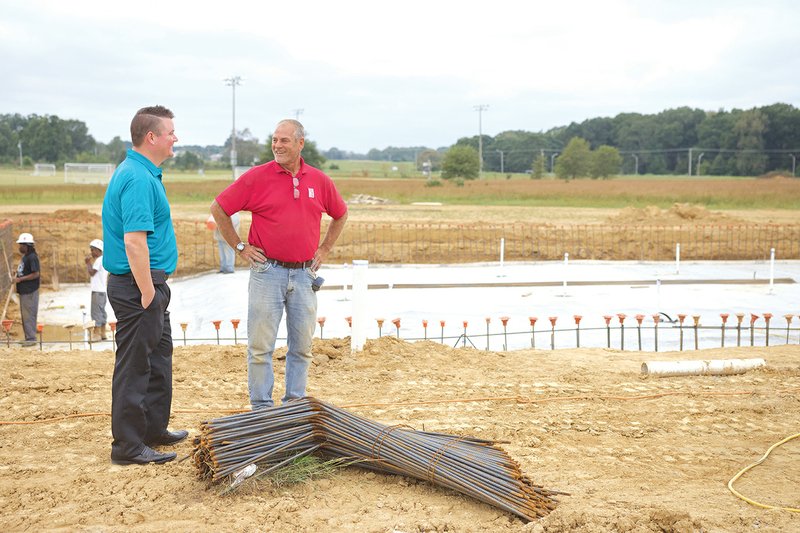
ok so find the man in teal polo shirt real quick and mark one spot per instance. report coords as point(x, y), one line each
point(140, 254)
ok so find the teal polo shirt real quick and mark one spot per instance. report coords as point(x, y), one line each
point(136, 201)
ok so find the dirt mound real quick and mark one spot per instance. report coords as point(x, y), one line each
point(324, 350)
point(677, 214)
point(777, 176)
point(74, 215)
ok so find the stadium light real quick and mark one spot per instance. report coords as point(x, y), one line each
point(552, 161)
point(480, 108)
point(232, 82)
point(297, 112)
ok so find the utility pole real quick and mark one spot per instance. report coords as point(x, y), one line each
point(19, 145)
point(480, 108)
point(297, 112)
point(232, 82)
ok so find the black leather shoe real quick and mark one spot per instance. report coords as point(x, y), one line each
point(147, 455)
point(169, 437)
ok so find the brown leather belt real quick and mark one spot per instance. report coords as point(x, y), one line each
point(289, 264)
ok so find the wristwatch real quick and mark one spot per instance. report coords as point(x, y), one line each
point(240, 247)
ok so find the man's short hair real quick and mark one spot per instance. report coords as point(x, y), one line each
point(148, 119)
point(299, 130)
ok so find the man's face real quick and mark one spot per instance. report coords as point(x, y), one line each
point(164, 139)
point(285, 147)
point(23, 249)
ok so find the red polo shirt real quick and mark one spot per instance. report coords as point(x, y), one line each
point(287, 229)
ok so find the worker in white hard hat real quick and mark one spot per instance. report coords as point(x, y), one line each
point(27, 282)
point(98, 277)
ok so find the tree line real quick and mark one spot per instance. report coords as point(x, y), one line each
point(732, 143)
point(736, 142)
point(50, 139)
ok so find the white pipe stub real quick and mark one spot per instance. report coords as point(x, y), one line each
point(707, 367)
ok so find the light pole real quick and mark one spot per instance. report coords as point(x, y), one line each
point(501, 161)
point(232, 82)
point(699, 158)
point(552, 161)
point(794, 162)
point(480, 108)
point(19, 145)
point(297, 112)
point(636, 164)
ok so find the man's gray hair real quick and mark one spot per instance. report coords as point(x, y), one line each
point(299, 130)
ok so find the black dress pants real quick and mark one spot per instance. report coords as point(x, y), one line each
point(141, 391)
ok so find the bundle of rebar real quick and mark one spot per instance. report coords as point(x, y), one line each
point(273, 437)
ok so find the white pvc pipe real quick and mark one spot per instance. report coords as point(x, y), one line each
point(771, 268)
point(678, 258)
point(566, 264)
point(358, 334)
point(709, 367)
point(502, 251)
point(658, 294)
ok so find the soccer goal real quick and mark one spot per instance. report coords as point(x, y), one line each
point(238, 171)
point(44, 169)
point(88, 172)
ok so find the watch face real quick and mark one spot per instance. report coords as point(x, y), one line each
point(240, 246)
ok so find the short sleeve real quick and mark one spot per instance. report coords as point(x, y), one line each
point(138, 206)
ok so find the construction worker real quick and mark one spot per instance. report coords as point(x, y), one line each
point(98, 279)
point(27, 281)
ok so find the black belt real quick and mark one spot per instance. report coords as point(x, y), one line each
point(158, 276)
point(289, 264)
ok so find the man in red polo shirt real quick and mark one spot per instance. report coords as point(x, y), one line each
point(286, 198)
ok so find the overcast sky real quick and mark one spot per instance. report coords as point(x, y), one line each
point(370, 74)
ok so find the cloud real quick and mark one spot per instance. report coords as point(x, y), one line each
point(375, 74)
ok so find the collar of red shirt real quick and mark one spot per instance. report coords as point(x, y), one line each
point(301, 170)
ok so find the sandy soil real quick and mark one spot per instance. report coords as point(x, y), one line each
point(632, 460)
point(636, 453)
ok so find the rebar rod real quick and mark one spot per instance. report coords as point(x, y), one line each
point(274, 437)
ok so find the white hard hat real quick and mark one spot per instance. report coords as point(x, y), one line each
point(25, 238)
point(97, 243)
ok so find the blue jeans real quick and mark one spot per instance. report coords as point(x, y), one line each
point(272, 289)
point(226, 256)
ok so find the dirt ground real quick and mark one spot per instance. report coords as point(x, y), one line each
point(635, 453)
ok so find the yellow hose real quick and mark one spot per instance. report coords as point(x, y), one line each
point(763, 458)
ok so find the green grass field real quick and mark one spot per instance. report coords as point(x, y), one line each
point(377, 178)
